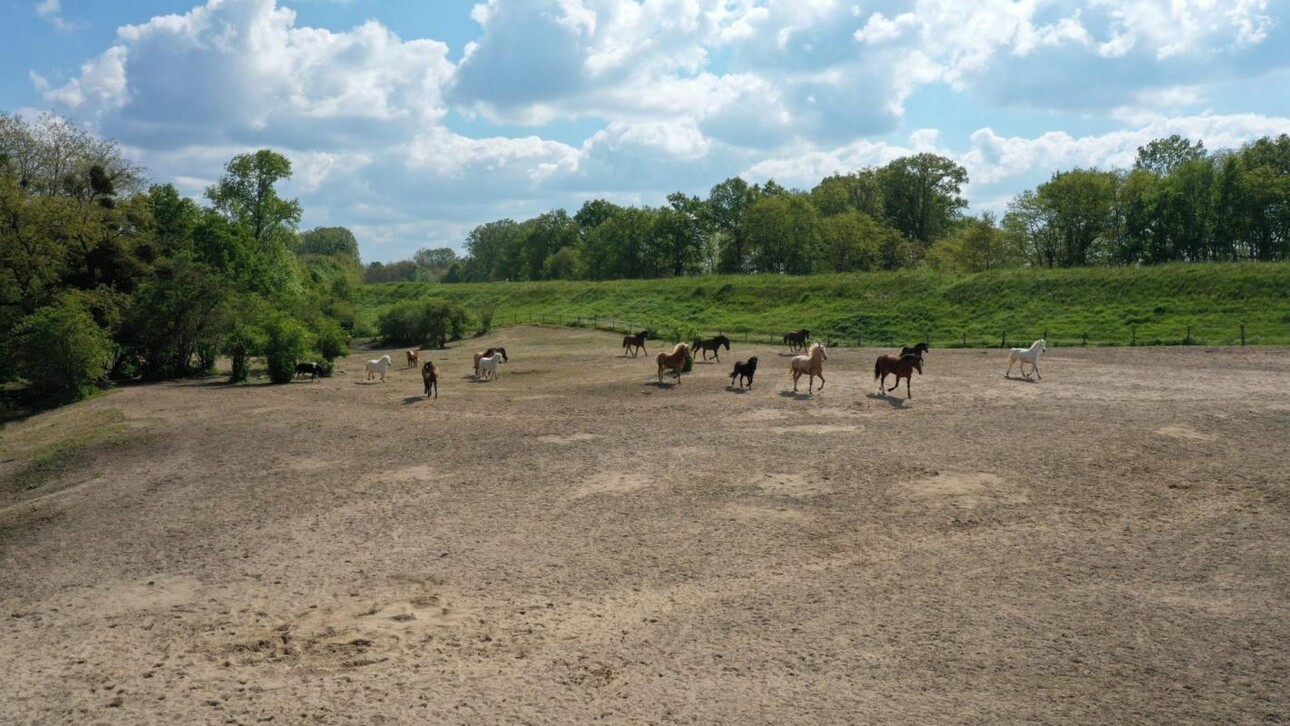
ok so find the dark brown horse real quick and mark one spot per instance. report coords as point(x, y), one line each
point(901, 367)
point(917, 349)
point(796, 340)
point(632, 343)
point(713, 345)
point(674, 361)
point(430, 377)
point(745, 372)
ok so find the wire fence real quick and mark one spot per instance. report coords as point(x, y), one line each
point(1234, 334)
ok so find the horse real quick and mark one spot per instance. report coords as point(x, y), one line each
point(901, 367)
point(309, 369)
point(811, 364)
point(413, 358)
point(917, 349)
point(380, 365)
point(713, 345)
point(1027, 355)
point(488, 366)
point(744, 371)
point(632, 343)
point(485, 354)
point(430, 376)
point(673, 361)
point(796, 339)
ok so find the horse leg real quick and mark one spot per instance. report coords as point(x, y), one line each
point(1035, 366)
point(821, 381)
point(908, 393)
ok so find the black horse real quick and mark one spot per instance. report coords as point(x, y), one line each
point(430, 376)
point(713, 345)
point(632, 343)
point(796, 340)
point(311, 369)
point(917, 349)
point(744, 371)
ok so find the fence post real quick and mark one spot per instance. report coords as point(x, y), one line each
point(1242, 333)
point(927, 337)
point(965, 340)
point(1188, 341)
point(1085, 339)
point(1003, 343)
point(1134, 333)
point(1045, 334)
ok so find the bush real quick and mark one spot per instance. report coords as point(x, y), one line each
point(60, 350)
point(288, 343)
point(330, 340)
point(422, 322)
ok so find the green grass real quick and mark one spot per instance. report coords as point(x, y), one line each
point(50, 452)
point(1111, 306)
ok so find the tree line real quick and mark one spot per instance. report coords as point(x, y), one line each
point(104, 277)
point(1178, 202)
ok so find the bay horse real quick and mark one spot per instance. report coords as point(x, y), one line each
point(380, 365)
point(811, 364)
point(632, 343)
point(917, 349)
point(430, 377)
point(1027, 355)
point(485, 354)
point(744, 371)
point(413, 358)
point(713, 345)
point(796, 340)
point(673, 361)
point(899, 366)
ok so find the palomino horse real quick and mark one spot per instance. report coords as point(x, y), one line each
point(488, 366)
point(485, 354)
point(632, 343)
point(1027, 355)
point(901, 367)
point(713, 345)
point(413, 358)
point(917, 349)
point(811, 364)
point(796, 340)
point(744, 371)
point(430, 377)
point(378, 366)
point(674, 361)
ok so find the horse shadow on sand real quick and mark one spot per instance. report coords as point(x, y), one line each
point(796, 395)
point(890, 400)
point(737, 389)
point(1021, 379)
point(663, 385)
point(409, 400)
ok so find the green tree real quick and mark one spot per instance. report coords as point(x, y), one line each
point(246, 196)
point(329, 241)
point(1162, 156)
point(783, 234)
point(287, 342)
point(922, 196)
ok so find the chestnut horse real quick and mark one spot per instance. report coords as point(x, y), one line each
point(811, 364)
point(901, 367)
point(673, 361)
point(413, 358)
point(632, 343)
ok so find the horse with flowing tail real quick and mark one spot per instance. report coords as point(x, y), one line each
point(713, 344)
point(744, 372)
point(811, 364)
point(430, 377)
point(491, 351)
point(378, 366)
point(674, 361)
point(917, 349)
point(414, 357)
point(634, 343)
point(488, 366)
point(796, 339)
point(1027, 355)
point(899, 366)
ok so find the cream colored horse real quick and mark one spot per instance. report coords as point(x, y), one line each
point(1027, 355)
point(811, 364)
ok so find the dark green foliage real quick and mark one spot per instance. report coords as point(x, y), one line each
point(425, 322)
point(287, 342)
point(60, 350)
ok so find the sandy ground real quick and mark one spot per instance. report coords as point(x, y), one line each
point(574, 543)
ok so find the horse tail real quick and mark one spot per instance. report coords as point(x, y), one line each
point(877, 368)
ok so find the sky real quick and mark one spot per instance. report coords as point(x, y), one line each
point(410, 122)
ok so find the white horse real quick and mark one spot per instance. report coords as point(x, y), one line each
point(1027, 355)
point(380, 365)
point(488, 366)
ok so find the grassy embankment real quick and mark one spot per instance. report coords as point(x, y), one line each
point(1111, 306)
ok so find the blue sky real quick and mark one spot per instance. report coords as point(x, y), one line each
point(412, 122)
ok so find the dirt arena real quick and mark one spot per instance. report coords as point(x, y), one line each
point(575, 543)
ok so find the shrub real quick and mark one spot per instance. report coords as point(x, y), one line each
point(60, 350)
point(288, 343)
point(330, 340)
point(422, 322)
